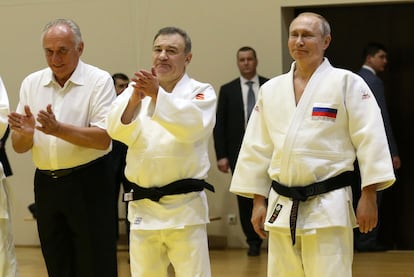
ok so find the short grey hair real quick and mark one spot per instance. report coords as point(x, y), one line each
point(325, 27)
point(68, 22)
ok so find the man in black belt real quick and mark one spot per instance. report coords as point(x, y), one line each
point(166, 118)
point(61, 119)
point(304, 134)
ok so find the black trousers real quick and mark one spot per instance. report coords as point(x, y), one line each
point(245, 213)
point(76, 222)
point(118, 162)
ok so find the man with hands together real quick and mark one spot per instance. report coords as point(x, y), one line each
point(166, 118)
point(61, 119)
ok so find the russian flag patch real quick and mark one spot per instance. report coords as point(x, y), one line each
point(324, 113)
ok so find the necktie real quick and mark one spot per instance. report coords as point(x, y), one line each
point(251, 99)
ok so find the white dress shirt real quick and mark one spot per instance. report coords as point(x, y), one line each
point(83, 101)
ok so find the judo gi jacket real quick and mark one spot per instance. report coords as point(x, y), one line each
point(336, 120)
point(167, 141)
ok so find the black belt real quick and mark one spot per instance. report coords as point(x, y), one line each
point(302, 193)
point(58, 173)
point(177, 187)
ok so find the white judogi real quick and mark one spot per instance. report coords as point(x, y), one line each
point(8, 262)
point(166, 142)
point(298, 145)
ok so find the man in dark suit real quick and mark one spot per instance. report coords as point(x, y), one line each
point(375, 60)
point(118, 156)
point(232, 116)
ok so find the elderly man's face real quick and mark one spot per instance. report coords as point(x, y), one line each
point(62, 53)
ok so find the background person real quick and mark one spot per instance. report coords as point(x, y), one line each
point(231, 121)
point(375, 60)
point(118, 156)
point(121, 82)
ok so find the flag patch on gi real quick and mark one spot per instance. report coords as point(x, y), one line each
point(275, 213)
point(200, 96)
point(324, 113)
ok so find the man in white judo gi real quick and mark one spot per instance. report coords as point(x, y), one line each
point(166, 118)
point(8, 261)
point(304, 134)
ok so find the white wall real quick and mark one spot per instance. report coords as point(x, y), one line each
point(118, 37)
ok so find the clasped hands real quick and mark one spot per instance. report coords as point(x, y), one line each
point(145, 83)
point(25, 124)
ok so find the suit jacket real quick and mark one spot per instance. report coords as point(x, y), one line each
point(230, 122)
point(377, 87)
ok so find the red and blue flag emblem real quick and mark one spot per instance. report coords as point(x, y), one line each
point(324, 113)
point(200, 96)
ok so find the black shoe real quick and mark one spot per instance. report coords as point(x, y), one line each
point(254, 250)
point(33, 210)
point(373, 248)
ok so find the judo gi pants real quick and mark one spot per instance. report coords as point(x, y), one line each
point(8, 261)
point(325, 252)
point(151, 252)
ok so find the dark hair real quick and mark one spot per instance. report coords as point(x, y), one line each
point(246, 48)
point(174, 30)
point(121, 76)
point(373, 48)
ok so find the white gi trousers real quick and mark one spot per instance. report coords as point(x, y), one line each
point(8, 261)
point(323, 252)
point(151, 252)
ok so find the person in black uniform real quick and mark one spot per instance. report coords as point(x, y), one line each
point(118, 155)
